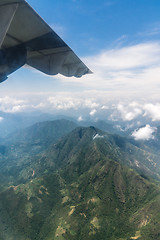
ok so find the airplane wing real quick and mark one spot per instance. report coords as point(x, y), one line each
point(46, 51)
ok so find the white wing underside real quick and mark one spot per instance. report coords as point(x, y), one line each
point(46, 51)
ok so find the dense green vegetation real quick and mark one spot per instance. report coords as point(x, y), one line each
point(88, 185)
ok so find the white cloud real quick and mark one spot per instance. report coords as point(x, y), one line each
point(90, 103)
point(17, 108)
point(152, 111)
point(8, 100)
point(93, 112)
point(12, 105)
point(136, 56)
point(40, 106)
point(104, 107)
point(134, 104)
point(144, 133)
point(63, 103)
point(132, 70)
point(129, 112)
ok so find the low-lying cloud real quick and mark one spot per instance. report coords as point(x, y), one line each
point(130, 112)
point(133, 110)
point(144, 133)
point(152, 111)
point(95, 105)
point(12, 105)
point(93, 112)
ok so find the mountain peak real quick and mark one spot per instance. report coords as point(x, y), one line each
point(87, 132)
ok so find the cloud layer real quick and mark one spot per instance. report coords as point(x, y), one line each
point(152, 111)
point(85, 104)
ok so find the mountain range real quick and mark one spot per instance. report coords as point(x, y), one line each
point(62, 181)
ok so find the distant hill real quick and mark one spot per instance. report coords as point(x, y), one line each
point(88, 185)
point(15, 121)
point(42, 133)
point(18, 149)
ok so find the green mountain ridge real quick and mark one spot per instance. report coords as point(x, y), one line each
point(19, 148)
point(42, 133)
point(88, 185)
point(117, 148)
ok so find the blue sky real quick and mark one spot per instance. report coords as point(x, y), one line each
point(119, 40)
point(91, 26)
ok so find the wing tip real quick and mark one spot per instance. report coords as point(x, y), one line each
point(83, 72)
point(3, 78)
point(89, 71)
